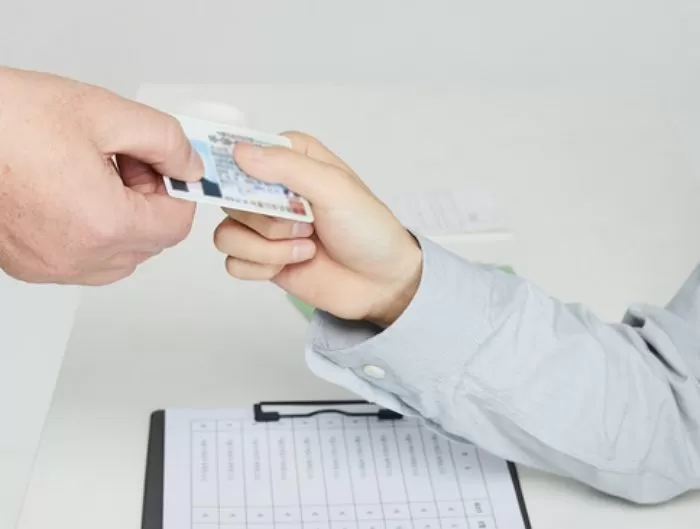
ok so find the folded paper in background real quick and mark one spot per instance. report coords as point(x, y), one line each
point(307, 310)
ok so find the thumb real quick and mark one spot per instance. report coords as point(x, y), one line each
point(322, 183)
point(146, 134)
point(160, 221)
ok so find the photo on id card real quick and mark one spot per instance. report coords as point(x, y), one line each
point(224, 184)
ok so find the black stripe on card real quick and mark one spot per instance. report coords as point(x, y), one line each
point(211, 189)
point(179, 185)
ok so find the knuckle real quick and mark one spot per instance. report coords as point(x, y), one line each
point(266, 273)
point(221, 236)
point(251, 271)
point(178, 228)
point(129, 270)
point(234, 268)
point(182, 230)
point(278, 254)
point(134, 259)
point(173, 134)
point(121, 273)
point(275, 229)
point(103, 231)
point(301, 137)
point(273, 271)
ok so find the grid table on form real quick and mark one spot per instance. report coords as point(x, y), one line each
point(328, 472)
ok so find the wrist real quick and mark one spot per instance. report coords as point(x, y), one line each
point(396, 297)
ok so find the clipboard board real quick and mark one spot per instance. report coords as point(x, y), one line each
point(154, 482)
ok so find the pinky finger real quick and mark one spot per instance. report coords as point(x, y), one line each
point(250, 271)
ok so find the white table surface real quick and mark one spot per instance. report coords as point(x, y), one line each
point(602, 198)
point(36, 322)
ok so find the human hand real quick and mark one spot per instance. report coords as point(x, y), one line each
point(356, 261)
point(81, 197)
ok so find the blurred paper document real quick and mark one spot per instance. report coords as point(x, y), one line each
point(450, 212)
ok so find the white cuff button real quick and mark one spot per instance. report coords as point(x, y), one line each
point(374, 371)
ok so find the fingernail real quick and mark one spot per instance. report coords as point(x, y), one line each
point(302, 229)
point(196, 163)
point(302, 252)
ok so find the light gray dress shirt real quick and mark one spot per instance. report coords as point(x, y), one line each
point(484, 356)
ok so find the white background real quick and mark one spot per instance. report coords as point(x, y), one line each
point(555, 86)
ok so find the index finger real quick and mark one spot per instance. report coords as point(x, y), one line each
point(122, 126)
point(313, 148)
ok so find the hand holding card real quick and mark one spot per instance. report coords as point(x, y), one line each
point(225, 184)
point(358, 261)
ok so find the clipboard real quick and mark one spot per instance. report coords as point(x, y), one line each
point(154, 482)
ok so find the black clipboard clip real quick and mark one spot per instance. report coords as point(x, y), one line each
point(323, 407)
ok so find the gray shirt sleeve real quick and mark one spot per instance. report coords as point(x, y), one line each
point(485, 356)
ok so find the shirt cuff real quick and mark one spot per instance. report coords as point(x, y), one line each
point(426, 350)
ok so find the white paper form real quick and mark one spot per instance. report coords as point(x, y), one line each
point(225, 471)
point(452, 213)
